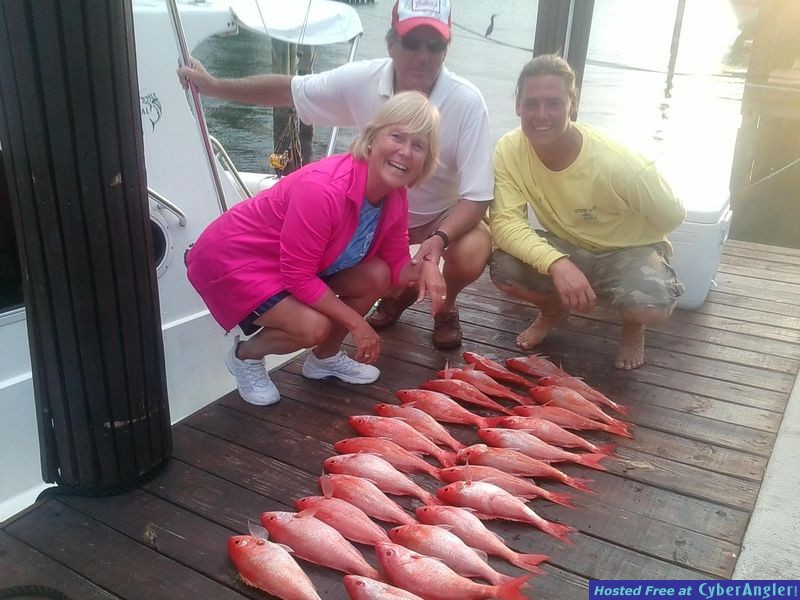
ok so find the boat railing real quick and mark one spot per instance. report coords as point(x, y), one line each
point(227, 163)
point(162, 202)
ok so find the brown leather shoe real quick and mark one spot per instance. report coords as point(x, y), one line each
point(389, 310)
point(446, 330)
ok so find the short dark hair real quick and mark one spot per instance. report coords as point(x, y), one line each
point(548, 64)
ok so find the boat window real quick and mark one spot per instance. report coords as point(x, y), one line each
point(10, 274)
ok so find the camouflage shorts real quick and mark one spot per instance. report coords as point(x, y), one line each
point(638, 277)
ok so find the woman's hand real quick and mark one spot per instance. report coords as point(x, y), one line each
point(431, 283)
point(367, 341)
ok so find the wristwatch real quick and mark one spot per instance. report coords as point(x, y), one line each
point(442, 235)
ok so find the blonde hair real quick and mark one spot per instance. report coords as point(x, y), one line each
point(415, 113)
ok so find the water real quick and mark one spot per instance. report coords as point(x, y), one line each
point(691, 134)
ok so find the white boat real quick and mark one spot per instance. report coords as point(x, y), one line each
point(183, 201)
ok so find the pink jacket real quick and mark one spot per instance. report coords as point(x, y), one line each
point(283, 237)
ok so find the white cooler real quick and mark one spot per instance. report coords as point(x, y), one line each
point(698, 246)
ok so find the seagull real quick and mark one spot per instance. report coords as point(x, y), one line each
point(490, 28)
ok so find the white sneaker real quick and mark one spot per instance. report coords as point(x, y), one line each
point(340, 366)
point(252, 379)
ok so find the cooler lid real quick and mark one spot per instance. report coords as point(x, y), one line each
point(705, 196)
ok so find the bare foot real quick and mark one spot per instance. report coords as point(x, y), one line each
point(631, 347)
point(541, 326)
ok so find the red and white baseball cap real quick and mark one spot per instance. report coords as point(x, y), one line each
point(409, 14)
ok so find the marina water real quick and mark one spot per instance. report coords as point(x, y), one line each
point(691, 134)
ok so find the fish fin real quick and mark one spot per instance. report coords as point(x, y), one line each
point(559, 498)
point(468, 367)
point(497, 536)
point(528, 562)
point(326, 486)
point(510, 590)
point(285, 547)
point(559, 530)
point(448, 371)
point(246, 581)
point(484, 557)
point(579, 483)
point(257, 531)
point(307, 512)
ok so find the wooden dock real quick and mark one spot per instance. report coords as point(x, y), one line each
point(675, 505)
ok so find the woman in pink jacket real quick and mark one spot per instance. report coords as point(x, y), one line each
point(301, 263)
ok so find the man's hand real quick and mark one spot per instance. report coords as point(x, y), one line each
point(431, 283)
point(196, 73)
point(572, 287)
point(430, 250)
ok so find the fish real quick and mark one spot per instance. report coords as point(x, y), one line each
point(437, 542)
point(316, 542)
point(517, 463)
point(584, 390)
point(485, 383)
point(492, 502)
point(421, 421)
point(364, 588)
point(550, 432)
point(466, 392)
point(571, 420)
point(475, 534)
point(352, 522)
point(534, 364)
point(366, 496)
point(441, 407)
point(564, 397)
point(433, 580)
point(495, 370)
point(402, 459)
point(400, 433)
point(270, 568)
point(532, 446)
point(510, 483)
point(380, 472)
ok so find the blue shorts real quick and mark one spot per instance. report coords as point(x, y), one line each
point(247, 324)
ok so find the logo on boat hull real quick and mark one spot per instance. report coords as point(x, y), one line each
point(151, 108)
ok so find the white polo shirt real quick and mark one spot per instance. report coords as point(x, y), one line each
point(349, 95)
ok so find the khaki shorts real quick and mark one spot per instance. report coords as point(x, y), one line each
point(638, 277)
point(420, 233)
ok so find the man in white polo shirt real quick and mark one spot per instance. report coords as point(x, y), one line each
point(446, 211)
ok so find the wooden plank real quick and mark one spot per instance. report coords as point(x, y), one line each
point(265, 475)
point(25, 566)
point(735, 246)
point(758, 273)
point(767, 290)
point(188, 539)
point(743, 328)
point(574, 350)
point(761, 266)
point(717, 297)
point(112, 561)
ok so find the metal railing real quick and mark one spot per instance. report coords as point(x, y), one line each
point(167, 205)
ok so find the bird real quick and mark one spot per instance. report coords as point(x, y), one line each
point(490, 28)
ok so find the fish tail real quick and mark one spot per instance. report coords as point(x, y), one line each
point(592, 461)
point(510, 590)
point(528, 561)
point(623, 410)
point(558, 530)
point(619, 428)
point(558, 498)
point(607, 450)
point(579, 483)
point(434, 472)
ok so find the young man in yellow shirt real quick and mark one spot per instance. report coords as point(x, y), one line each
point(605, 213)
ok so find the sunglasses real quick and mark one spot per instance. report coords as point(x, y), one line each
point(413, 43)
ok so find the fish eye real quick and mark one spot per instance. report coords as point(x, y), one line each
point(261, 542)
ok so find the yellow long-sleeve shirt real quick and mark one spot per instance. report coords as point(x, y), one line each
point(609, 198)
